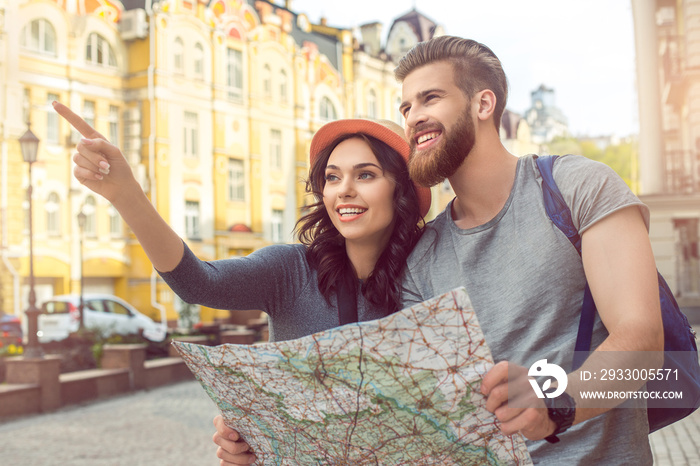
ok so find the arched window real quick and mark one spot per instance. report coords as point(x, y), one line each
point(234, 73)
point(199, 60)
point(267, 81)
point(327, 110)
point(99, 52)
point(371, 104)
point(179, 56)
point(283, 86)
point(39, 36)
point(53, 215)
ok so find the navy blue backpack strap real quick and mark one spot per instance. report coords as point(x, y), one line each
point(560, 214)
point(680, 348)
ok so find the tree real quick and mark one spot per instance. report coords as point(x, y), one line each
point(621, 157)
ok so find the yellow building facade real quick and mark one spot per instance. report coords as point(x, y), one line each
point(213, 103)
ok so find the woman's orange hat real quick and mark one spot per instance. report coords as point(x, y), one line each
point(385, 130)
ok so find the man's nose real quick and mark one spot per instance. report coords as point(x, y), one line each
point(414, 118)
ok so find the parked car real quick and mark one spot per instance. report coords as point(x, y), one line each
point(104, 313)
point(10, 327)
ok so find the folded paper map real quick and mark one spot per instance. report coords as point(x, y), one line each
point(401, 390)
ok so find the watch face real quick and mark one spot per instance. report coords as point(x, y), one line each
point(561, 411)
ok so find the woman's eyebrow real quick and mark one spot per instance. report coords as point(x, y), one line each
point(356, 167)
point(365, 165)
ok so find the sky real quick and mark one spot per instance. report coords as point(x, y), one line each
point(583, 49)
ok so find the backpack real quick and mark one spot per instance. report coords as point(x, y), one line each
point(680, 349)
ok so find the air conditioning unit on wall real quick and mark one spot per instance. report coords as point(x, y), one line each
point(133, 24)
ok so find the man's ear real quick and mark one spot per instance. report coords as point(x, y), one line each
point(487, 104)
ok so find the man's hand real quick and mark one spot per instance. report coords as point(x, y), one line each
point(510, 397)
point(232, 450)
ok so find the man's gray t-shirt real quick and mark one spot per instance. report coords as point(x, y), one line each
point(277, 280)
point(525, 281)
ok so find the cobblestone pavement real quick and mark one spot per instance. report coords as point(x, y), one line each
point(679, 443)
point(167, 426)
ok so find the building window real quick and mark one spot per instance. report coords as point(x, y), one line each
point(114, 125)
point(51, 120)
point(277, 226)
point(403, 46)
point(191, 134)
point(267, 81)
point(283, 86)
point(26, 106)
point(192, 219)
point(327, 110)
point(39, 36)
point(115, 223)
point(398, 117)
point(53, 215)
point(99, 52)
point(234, 73)
point(688, 256)
point(236, 182)
point(89, 112)
point(179, 56)
point(276, 149)
point(371, 104)
point(89, 208)
point(199, 60)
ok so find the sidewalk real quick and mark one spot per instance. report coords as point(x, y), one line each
point(679, 443)
point(167, 426)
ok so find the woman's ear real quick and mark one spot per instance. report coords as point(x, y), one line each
point(487, 104)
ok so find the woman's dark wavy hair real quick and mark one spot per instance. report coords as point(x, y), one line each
point(326, 247)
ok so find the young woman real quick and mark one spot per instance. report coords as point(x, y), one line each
point(354, 239)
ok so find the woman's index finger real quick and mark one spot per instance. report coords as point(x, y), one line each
point(76, 122)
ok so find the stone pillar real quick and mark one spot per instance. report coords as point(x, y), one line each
point(130, 357)
point(41, 371)
point(651, 157)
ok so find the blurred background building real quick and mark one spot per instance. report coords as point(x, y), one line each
point(213, 102)
point(667, 39)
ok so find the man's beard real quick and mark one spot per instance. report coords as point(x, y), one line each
point(430, 167)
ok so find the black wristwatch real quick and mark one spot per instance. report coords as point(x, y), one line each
point(561, 410)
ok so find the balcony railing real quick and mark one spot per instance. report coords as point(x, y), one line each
point(682, 172)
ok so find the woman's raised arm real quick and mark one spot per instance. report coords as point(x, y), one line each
point(102, 168)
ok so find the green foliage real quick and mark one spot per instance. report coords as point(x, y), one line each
point(189, 315)
point(622, 157)
point(563, 146)
point(10, 350)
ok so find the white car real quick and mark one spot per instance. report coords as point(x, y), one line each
point(104, 313)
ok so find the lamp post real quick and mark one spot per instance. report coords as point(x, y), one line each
point(29, 144)
point(81, 224)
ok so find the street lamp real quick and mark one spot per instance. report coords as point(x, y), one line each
point(29, 144)
point(81, 224)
